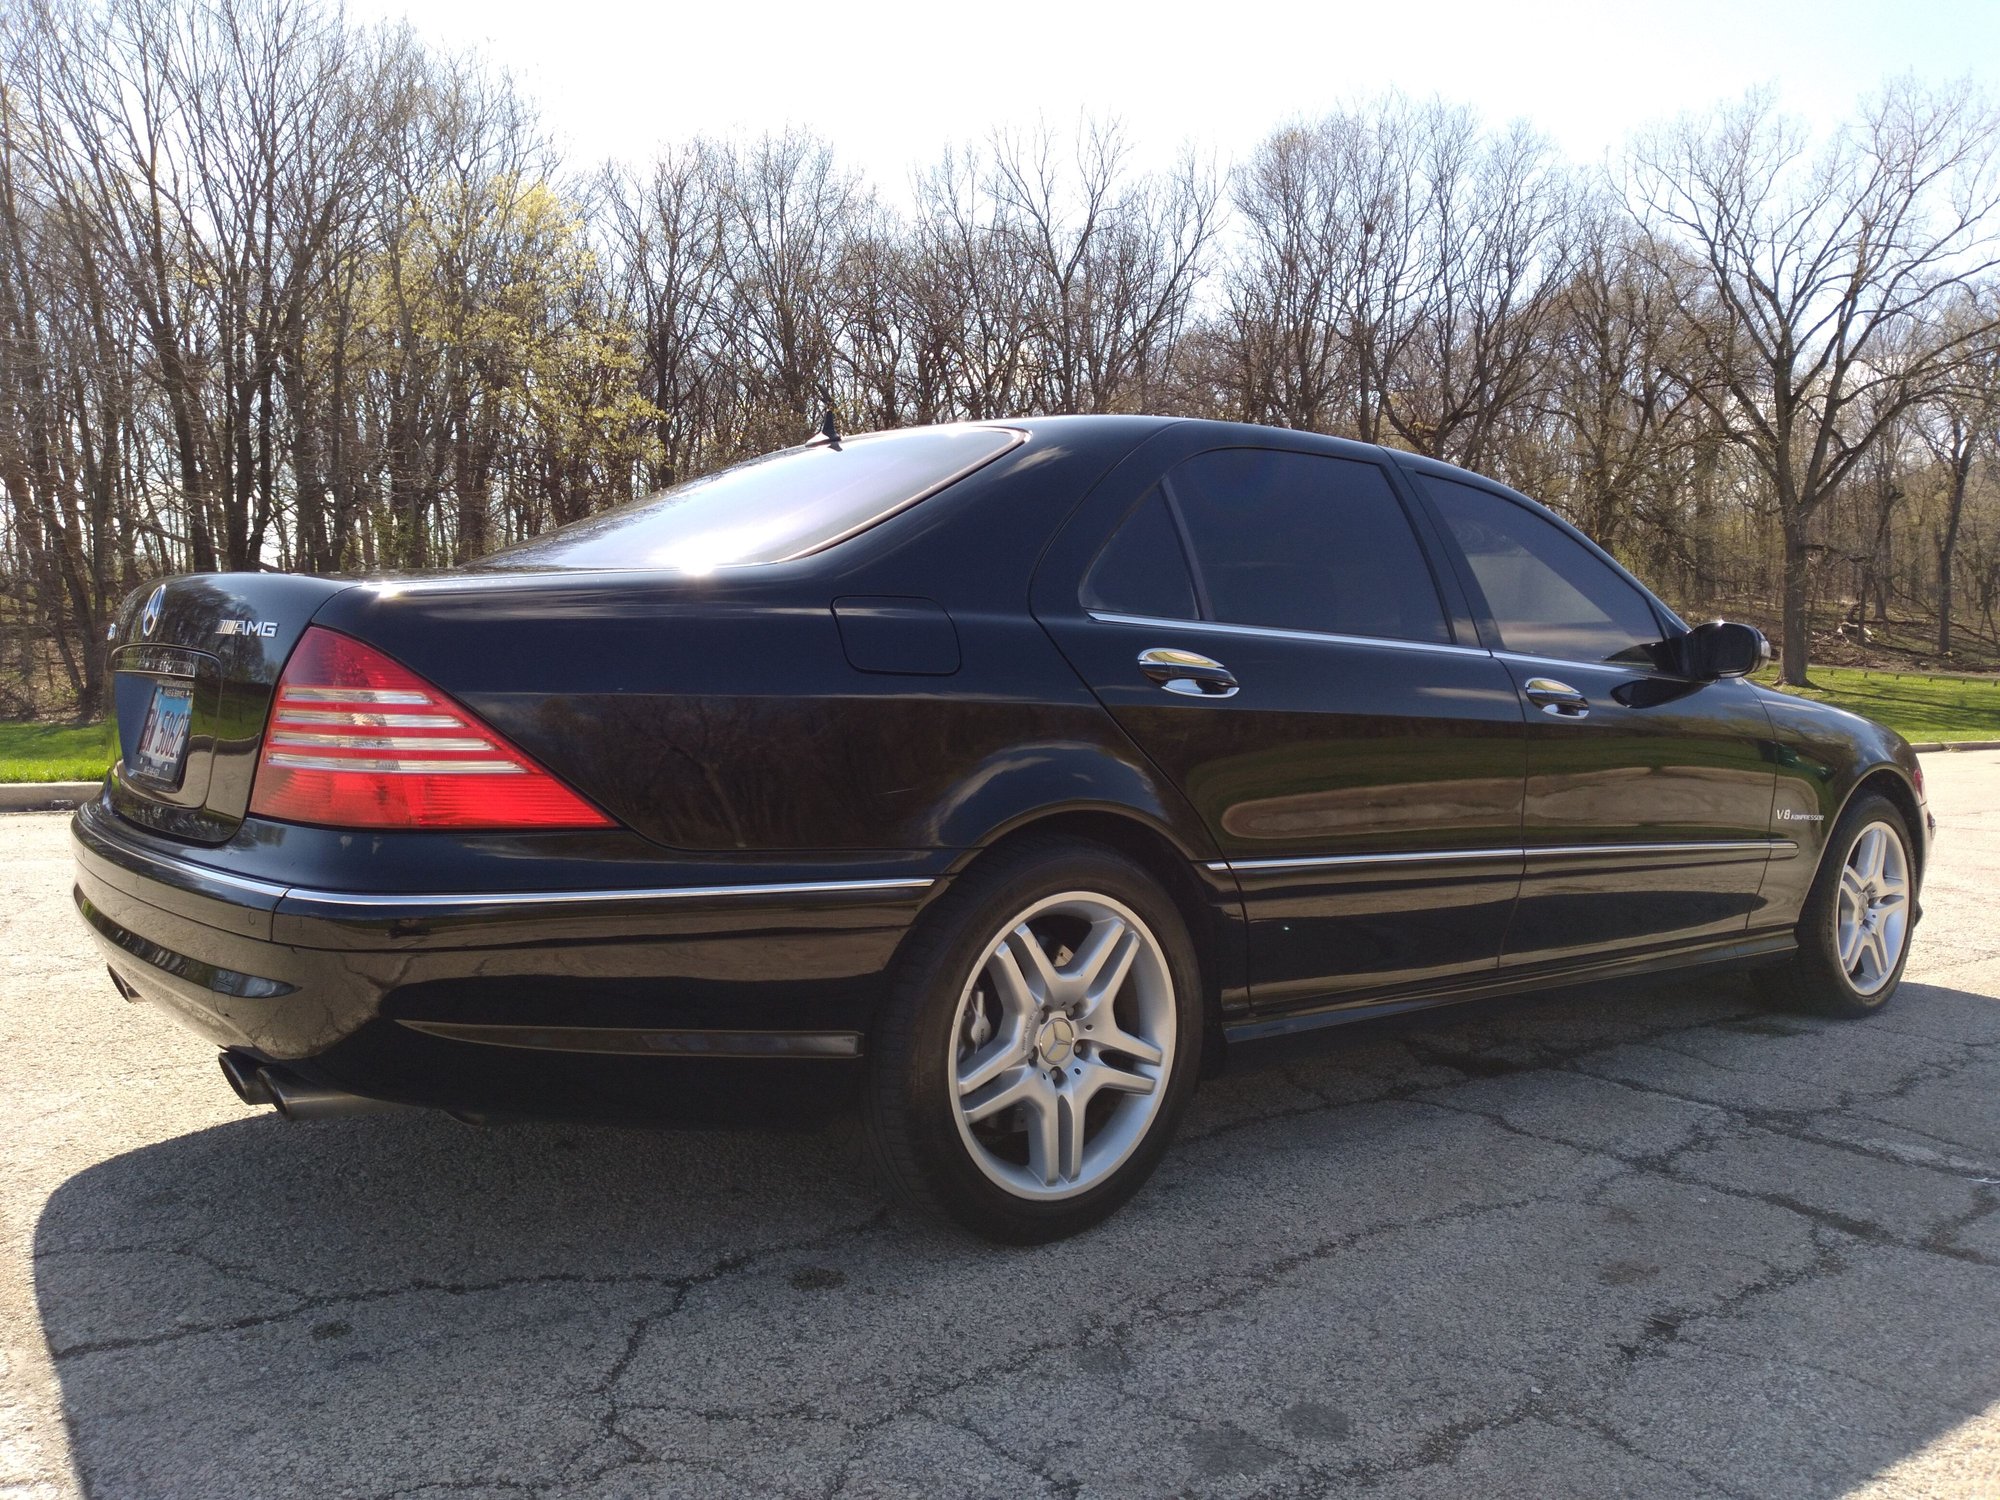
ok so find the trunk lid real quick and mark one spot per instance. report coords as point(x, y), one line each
point(194, 662)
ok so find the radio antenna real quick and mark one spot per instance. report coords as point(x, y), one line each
point(828, 428)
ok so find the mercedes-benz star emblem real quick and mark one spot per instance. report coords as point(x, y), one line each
point(1057, 1041)
point(149, 621)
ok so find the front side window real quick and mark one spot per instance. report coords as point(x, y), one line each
point(1546, 593)
point(1304, 541)
point(770, 509)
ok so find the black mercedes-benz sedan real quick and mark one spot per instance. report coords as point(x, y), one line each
point(991, 778)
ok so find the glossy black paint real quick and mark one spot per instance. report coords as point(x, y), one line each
point(802, 756)
point(1334, 748)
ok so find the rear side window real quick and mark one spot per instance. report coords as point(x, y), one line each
point(1302, 541)
point(770, 509)
point(1546, 593)
point(1142, 569)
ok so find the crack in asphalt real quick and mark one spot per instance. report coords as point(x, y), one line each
point(1580, 1420)
point(1662, 1329)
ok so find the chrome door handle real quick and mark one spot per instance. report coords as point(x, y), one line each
point(1187, 672)
point(1557, 699)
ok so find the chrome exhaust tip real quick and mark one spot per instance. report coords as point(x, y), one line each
point(296, 1098)
point(246, 1079)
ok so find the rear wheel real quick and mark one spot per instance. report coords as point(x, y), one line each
point(1041, 1039)
point(1854, 933)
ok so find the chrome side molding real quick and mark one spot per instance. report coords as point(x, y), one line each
point(1776, 848)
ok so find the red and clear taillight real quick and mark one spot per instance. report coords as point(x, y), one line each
point(356, 741)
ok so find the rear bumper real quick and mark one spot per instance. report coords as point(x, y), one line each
point(690, 996)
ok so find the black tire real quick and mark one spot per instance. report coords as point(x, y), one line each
point(1814, 979)
point(911, 1106)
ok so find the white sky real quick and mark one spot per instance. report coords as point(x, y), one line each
point(889, 83)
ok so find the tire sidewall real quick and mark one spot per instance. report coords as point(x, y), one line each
point(916, 1083)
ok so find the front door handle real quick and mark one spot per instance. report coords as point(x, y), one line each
point(1557, 699)
point(1187, 672)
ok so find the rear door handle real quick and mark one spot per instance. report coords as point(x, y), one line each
point(1187, 672)
point(1557, 699)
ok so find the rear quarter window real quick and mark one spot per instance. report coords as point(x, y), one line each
point(771, 509)
point(1142, 570)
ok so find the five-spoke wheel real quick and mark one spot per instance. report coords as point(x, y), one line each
point(1063, 1040)
point(1044, 1032)
point(1871, 917)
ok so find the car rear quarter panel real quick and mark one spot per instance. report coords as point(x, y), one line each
point(725, 713)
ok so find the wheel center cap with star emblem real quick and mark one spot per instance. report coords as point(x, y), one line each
point(1056, 1042)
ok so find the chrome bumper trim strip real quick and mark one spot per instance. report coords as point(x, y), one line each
point(503, 899)
point(188, 873)
point(119, 853)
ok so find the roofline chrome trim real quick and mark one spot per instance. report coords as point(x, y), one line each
point(506, 899)
point(1784, 848)
point(1272, 632)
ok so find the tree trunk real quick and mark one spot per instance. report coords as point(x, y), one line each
point(1796, 646)
point(1948, 545)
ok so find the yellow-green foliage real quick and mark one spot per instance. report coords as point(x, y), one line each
point(481, 315)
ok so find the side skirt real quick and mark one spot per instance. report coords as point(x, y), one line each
point(1764, 947)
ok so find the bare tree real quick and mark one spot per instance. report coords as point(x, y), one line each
point(664, 227)
point(790, 212)
point(1631, 430)
point(1960, 422)
point(1824, 270)
point(1492, 224)
point(1111, 261)
point(278, 291)
point(1400, 268)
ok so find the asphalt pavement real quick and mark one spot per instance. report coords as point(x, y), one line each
point(1636, 1240)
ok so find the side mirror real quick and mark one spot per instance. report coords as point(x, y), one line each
point(1722, 649)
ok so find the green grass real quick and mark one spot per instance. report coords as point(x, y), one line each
point(1919, 708)
point(55, 752)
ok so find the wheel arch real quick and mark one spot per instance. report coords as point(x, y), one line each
point(1884, 778)
point(1892, 782)
point(1208, 902)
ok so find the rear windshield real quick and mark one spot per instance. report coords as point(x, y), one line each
point(770, 509)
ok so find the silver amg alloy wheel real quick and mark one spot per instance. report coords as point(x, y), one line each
point(1871, 918)
point(1062, 1045)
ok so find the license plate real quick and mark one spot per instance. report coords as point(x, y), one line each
point(163, 743)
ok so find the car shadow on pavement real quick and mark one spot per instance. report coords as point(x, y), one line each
point(1622, 1240)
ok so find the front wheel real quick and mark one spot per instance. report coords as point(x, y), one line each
point(1040, 1041)
point(1854, 932)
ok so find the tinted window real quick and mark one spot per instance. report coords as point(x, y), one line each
point(1547, 593)
point(1303, 542)
point(772, 508)
point(1142, 570)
